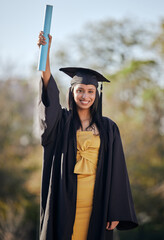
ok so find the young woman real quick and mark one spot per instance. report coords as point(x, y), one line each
point(85, 186)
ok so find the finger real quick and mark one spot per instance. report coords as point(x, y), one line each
point(108, 225)
point(41, 43)
point(41, 33)
point(50, 37)
point(113, 225)
point(41, 40)
point(41, 37)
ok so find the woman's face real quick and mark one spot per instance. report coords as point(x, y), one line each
point(84, 95)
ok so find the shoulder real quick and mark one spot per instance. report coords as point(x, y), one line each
point(109, 122)
point(111, 126)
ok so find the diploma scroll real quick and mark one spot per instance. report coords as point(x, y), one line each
point(44, 49)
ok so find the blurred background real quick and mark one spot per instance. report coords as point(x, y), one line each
point(124, 40)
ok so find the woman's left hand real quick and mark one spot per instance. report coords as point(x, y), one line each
point(111, 225)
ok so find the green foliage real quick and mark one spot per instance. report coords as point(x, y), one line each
point(19, 208)
point(136, 104)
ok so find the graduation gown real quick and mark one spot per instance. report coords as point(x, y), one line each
point(112, 199)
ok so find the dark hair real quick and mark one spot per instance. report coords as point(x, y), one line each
point(95, 111)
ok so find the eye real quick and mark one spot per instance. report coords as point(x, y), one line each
point(91, 91)
point(79, 91)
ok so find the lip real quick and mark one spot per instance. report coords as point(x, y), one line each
point(84, 102)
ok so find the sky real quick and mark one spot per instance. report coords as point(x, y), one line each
point(21, 22)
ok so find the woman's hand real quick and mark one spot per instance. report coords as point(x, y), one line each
point(111, 225)
point(42, 41)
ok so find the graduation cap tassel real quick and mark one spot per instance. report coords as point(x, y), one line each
point(100, 107)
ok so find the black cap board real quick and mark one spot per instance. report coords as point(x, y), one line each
point(84, 76)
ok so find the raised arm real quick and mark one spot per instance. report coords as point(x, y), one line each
point(50, 111)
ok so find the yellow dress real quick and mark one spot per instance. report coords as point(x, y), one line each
point(86, 164)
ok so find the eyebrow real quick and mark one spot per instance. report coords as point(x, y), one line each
point(87, 89)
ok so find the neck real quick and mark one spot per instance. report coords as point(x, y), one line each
point(84, 114)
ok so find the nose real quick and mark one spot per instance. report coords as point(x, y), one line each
point(84, 95)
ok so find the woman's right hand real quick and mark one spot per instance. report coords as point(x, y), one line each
point(42, 40)
point(47, 73)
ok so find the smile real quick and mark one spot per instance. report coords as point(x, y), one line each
point(84, 102)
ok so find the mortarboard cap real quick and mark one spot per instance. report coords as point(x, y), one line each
point(84, 76)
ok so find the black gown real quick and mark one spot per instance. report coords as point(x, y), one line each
point(112, 199)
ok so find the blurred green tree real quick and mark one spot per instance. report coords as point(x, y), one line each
point(135, 100)
point(18, 206)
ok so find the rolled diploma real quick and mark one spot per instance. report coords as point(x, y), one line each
point(44, 49)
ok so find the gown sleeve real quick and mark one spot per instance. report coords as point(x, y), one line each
point(121, 207)
point(50, 110)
